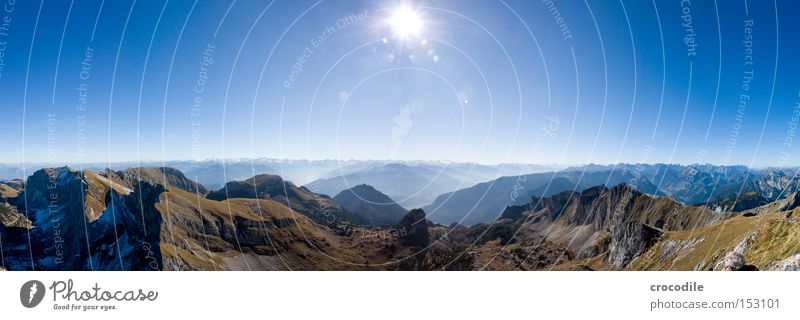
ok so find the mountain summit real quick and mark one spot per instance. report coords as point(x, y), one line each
point(371, 204)
point(320, 208)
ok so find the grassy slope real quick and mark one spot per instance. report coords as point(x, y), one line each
point(7, 191)
point(299, 244)
point(767, 238)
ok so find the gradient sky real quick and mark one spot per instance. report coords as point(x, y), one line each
point(478, 83)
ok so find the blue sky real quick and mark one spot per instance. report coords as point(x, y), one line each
point(482, 81)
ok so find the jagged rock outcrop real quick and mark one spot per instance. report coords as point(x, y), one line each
point(416, 229)
point(10, 218)
point(127, 235)
point(82, 221)
point(619, 221)
point(791, 202)
point(630, 240)
point(789, 264)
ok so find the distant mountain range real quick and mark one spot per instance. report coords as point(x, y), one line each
point(414, 185)
point(715, 186)
point(215, 173)
point(624, 217)
point(411, 186)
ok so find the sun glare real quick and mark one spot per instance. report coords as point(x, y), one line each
point(405, 22)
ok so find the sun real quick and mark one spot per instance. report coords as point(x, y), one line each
point(405, 22)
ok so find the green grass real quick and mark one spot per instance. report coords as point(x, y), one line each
point(776, 238)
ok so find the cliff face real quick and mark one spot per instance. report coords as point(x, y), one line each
point(617, 224)
point(127, 235)
point(81, 221)
point(629, 241)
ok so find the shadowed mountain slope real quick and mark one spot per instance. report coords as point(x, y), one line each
point(366, 201)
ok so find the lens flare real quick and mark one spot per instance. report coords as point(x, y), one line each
point(405, 22)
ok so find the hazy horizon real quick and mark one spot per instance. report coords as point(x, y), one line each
point(389, 161)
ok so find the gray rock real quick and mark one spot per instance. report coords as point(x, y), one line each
point(629, 241)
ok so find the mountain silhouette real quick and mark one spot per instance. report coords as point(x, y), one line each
point(376, 207)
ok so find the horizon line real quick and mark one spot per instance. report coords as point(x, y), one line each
point(388, 161)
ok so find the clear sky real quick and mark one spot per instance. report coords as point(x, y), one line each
point(483, 81)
